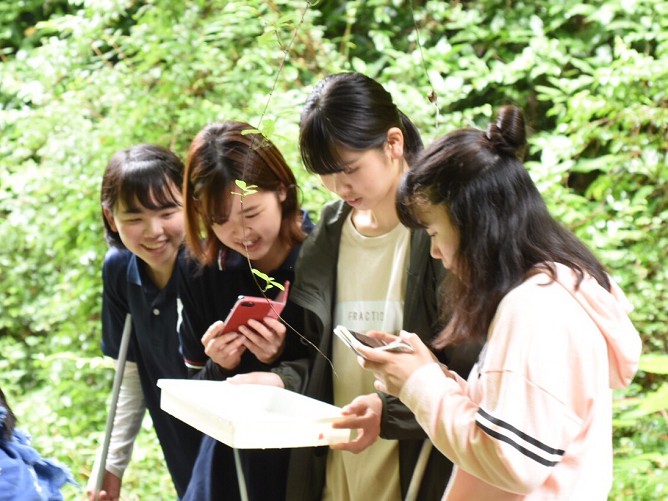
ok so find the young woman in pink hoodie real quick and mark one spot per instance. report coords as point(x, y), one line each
point(534, 419)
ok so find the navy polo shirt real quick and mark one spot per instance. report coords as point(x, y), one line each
point(153, 346)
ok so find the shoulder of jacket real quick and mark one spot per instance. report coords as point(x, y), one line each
point(334, 212)
point(420, 246)
point(539, 298)
point(419, 238)
point(328, 228)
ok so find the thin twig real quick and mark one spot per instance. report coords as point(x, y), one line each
point(433, 96)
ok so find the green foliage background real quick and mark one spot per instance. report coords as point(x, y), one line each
point(81, 79)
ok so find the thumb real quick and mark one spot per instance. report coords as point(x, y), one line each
point(354, 407)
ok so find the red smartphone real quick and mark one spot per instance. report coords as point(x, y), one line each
point(252, 307)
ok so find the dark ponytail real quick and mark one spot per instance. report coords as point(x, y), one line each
point(505, 230)
point(351, 111)
point(508, 133)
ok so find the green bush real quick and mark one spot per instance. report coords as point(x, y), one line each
point(80, 80)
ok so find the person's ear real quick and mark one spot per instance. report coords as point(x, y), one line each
point(282, 193)
point(109, 216)
point(395, 142)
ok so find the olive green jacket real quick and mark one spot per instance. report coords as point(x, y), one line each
point(314, 290)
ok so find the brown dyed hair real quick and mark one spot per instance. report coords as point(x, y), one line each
point(220, 154)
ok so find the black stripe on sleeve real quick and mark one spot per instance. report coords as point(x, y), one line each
point(520, 434)
point(517, 446)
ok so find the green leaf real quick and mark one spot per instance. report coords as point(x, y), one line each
point(655, 363)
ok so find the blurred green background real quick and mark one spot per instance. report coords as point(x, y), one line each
point(81, 79)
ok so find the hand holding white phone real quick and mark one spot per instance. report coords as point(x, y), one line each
point(355, 340)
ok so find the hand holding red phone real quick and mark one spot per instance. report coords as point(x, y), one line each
point(225, 350)
point(255, 307)
point(265, 339)
point(251, 324)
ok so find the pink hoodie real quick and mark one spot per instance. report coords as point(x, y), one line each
point(534, 419)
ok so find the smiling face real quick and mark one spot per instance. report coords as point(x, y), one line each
point(254, 228)
point(154, 235)
point(443, 233)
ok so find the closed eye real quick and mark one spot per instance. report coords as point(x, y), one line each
point(131, 219)
point(170, 213)
point(218, 220)
point(251, 212)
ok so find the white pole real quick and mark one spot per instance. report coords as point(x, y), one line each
point(118, 378)
point(418, 472)
point(243, 492)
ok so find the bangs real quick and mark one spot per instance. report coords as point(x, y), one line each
point(149, 186)
point(319, 148)
point(212, 199)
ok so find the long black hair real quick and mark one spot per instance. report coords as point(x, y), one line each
point(351, 111)
point(9, 418)
point(505, 229)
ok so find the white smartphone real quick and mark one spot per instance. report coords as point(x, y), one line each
point(354, 339)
